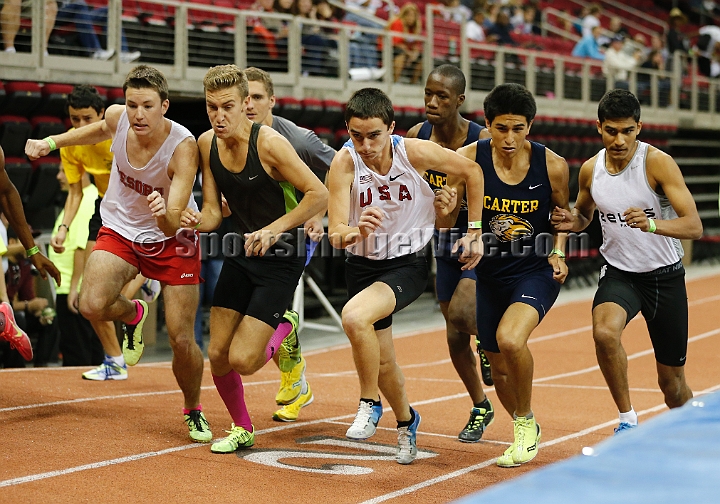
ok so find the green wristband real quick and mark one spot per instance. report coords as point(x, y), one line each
point(32, 251)
point(51, 143)
point(558, 253)
point(651, 226)
point(475, 225)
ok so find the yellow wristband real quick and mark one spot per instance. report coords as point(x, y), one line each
point(197, 225)
point(558, 253)
point(651, 226)
point(51, 143)
point(32, 251)
point(475, 225)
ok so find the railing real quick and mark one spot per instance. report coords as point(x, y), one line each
point(184, 50)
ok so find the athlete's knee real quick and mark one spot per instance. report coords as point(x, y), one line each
point(675, 390)
point(462, 317)
point(606, 336)
point(509, 343)
point(183, 342)
point(91, 307)
point(458, 342)
point(354, 321)
point(218, 357)
point(244, 363)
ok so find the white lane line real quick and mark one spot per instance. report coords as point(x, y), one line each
point(431, 434)
point(592, 387)
point(460, 472)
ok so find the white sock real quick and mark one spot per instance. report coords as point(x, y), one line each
point(119, 360)
point(304, 385)
point(10, 49)
point(630, 417)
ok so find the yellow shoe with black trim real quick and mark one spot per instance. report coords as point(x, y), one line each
point(290, 412)
point(133, 345)
point(291, 383)
point(198, 426)
point(525, 447)
point(289, 351)
point(238, 438)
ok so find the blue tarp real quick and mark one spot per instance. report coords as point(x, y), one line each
point(674, 457)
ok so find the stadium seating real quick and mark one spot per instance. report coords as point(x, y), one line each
point(44, 126)
point(22, 98)
point(54, 99)
point(14, 132)
point(20, 173)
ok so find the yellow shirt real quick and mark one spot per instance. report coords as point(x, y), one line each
point(94, 159)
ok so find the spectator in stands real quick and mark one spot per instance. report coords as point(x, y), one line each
point(453, 10)
point(474, 27)
point(654, 61)
point(79, 345)
point(314, 43)
point(10, 22)
point(527, 23)
point(363, 46)
point(588, 47)
point(591, 20)
point(676, 39)
point(491, 15)
point(500, 32)
point(267, 37)
point(407, 52)
point(617, 62)
point(658, 44)
point(708, 46)
point(84, 18)
point(29, 308)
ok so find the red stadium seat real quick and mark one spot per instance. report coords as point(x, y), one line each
point(54, 99)
point(44, 126)
point(22, 98)
point(14, 132)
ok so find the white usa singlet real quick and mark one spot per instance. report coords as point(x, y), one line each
point(124, 208)
point(405, 198)
point(624, 247)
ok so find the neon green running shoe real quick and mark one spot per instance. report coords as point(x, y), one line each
point(525, 447)
point(291, 383)
point(290, 412)
point(198, 426)
point(289, 352)
point(238, 438)
point(133, 345)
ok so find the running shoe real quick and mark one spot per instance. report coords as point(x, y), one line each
point(289, 352)
point(12, 333)
point(525, 446)
point(290, 412)
point(365, 422)
point(108, 370)
point(150, 290)
point(133, 345)
point(485, 370)
point(480, 419)
point(291, 383)
point(238, 438)
point(198, 426)
point(624, 426)
point(407, 445)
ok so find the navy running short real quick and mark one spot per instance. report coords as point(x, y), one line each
point(448, 274)
point(537, 289)
point(661, 296)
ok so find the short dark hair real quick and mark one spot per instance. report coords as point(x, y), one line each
point(618, 104)
point(456, 76)
point(84, 96)
point(368, 103)
point(509, 99)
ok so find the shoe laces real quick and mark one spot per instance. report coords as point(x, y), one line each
point(477, 417)
point(239, 434)
point(196, 420)
point(404, 437)
point(363, 415)
point(521, 426)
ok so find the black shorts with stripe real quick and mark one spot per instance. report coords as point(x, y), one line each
point(661, 297)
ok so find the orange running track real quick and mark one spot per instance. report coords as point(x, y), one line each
point(64, 439)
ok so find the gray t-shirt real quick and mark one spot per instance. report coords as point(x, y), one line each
point(306, 143)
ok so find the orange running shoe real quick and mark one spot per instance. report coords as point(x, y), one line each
point(13, 334)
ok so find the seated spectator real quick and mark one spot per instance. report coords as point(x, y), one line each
point(79, 13)
point(407, 52)
point(588, 47)
point(363, 46)
point(10, 22)
point(617, 62)
point(314, 43)
point(708, 46)
point(500, 32)
point(654, 61)
point(30, 310)
point(474, 27)
point(676, 40)
point(527, 23)
point(453, 10)
point(267, 38)
point(591, 20)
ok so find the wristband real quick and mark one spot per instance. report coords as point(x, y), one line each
point(65, 226)
point(651, 226)
point(32, 251)
point(51, 143)
point(558, 253)
point(197, 225)
point(474, 225)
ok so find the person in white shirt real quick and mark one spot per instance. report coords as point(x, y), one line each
point(617, 62)
point(474, 27)
point(645, 208)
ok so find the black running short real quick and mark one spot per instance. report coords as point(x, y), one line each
point(661, 297)
point(261, 287)
point(406, 275)
point(95, 222)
